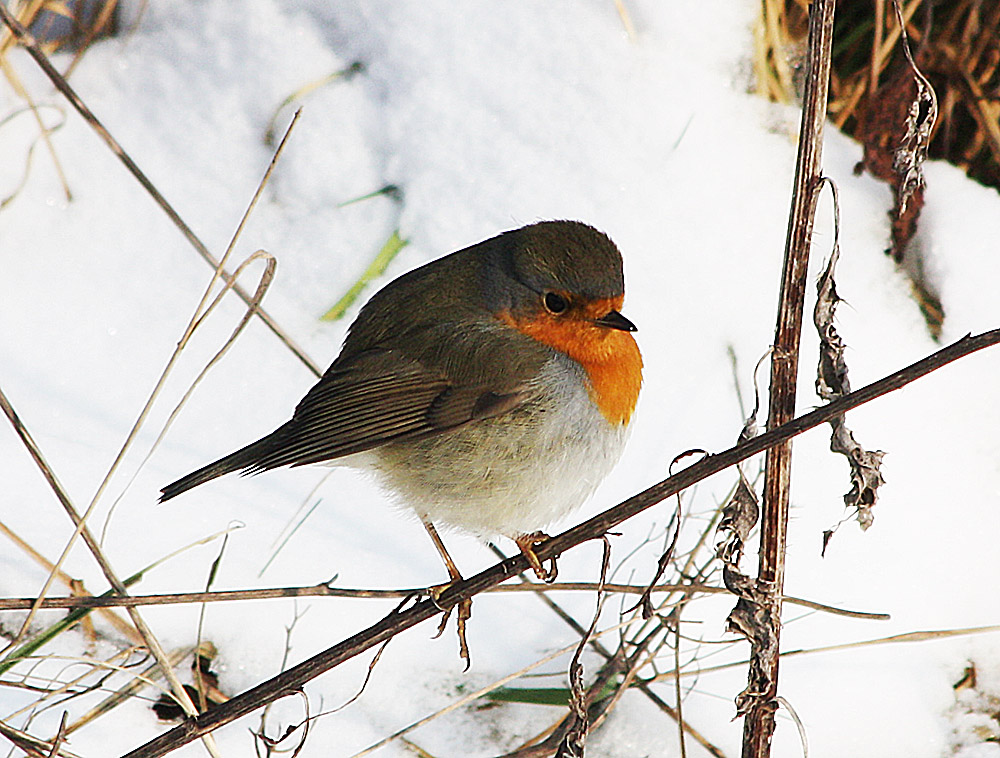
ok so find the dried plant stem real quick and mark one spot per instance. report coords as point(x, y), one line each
point(294, 678)
point(30, 744)
point(146, 678)
point(892, 38)
point(875, 65)
point(57, 488)
point(81, 521)
point(482, 692)
point(759, 724)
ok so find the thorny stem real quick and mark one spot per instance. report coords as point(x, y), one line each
point(759, 725)
point(296, 677)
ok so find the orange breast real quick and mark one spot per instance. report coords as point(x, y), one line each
point(610, 357)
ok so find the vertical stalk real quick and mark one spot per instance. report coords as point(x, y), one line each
point(759, 724)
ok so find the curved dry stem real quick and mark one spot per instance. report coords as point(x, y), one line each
point(262, 286)
point(124, 693)
point(28, 159)
point(44, 132)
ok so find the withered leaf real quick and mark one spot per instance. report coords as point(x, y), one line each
point(739, 516)
point(832, 382)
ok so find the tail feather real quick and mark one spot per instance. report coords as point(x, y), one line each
point(247, 459)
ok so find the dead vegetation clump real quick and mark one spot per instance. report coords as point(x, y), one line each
point(955, 44)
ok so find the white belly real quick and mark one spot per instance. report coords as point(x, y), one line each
point(510, 475)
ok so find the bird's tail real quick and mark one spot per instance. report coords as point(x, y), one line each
point(248, 460)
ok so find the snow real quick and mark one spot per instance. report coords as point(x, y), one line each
point(488, 117)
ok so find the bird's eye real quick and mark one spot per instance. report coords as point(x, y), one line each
point(554, 303)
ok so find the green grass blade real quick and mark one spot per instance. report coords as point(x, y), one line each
point(377, 267)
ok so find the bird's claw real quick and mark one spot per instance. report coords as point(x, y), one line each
point(527, 543)
point(464, 614)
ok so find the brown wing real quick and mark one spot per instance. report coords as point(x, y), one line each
point(369, 399)
point(375, 398)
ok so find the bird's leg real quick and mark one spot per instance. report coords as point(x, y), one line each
point(464, 607)
point(453, 571)
point(527, 542)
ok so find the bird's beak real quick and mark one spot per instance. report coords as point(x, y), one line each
point(615, 320)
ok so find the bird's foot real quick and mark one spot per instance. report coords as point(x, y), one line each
point(527, 543)
point(464, 614)
point(464, 606)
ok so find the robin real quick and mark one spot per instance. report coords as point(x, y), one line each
point(489, 390)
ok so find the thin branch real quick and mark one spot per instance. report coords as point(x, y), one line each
point(295, 678)
point(325, 590)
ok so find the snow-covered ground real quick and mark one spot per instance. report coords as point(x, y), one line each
point(487, 116)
